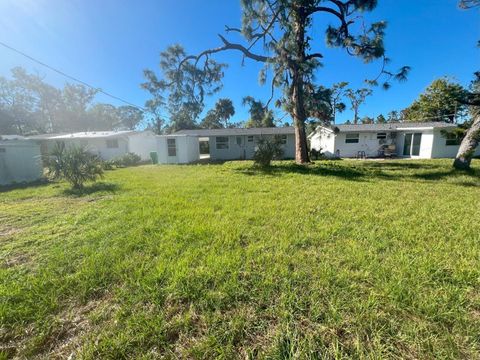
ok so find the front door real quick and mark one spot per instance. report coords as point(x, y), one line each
point(172, 151)
point(411, 144)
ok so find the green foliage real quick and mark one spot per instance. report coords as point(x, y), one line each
point(267, 149)
point(441, 101)
point(182, 87)
point(381, 119)
point(357, 98)
point(127, 160)
point(218, 117)
point(260, 115)
point(74, 164)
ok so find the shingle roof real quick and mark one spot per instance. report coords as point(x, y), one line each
point(392, 126)
point(237, 131)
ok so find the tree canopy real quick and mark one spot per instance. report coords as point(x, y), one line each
point(441, 101)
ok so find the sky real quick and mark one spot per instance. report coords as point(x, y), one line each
point(108, 43)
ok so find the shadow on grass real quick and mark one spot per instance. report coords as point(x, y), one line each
point(371, 171)
point(328, 169)
point(92, 189)
point(27, 185)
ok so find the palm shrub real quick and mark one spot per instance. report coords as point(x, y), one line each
point(267, 150)
point(74, 164)
point(129, 159)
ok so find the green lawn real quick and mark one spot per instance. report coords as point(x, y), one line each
point(344, 259)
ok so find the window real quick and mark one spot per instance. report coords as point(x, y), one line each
point(221, 142)
point(112, 144)
point(381, 136)
point(2, 150)
point(239, 140)
point(452, 139)
point(250, 138)
point(352, 138)
point(172, 147)
point(283, 139)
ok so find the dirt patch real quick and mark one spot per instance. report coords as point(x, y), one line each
point(15, 260)
point(8, 232)
point(66, 334)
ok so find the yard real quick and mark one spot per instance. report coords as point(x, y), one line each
point(343, 259)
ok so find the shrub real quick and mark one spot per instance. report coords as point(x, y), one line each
point(74, 164)
point(129, 159)
point(267, 150)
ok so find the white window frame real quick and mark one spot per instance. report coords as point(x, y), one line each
point(112, 143)
point(239, 140)
point(224, 145)
point(283, 139)
point(250, 138)
point(352, 138)
point(453, 140)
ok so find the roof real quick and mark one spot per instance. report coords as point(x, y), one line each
point(86, 135)
point(238, 131)
point(393, 126)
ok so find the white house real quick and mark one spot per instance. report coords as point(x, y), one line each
point(106, 144)
point(240, 144)
point(20, 160)
point(405, 139)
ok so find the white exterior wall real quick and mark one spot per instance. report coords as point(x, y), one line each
point(187, 149)
point(245, 149)
point(20, 161)
point(96, 146)
point(367, 142)
point(440, 148)
point(142, 144)
point(323, 140)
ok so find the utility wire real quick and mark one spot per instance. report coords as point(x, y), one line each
point(71, 77)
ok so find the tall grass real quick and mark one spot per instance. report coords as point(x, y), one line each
point(343, 259)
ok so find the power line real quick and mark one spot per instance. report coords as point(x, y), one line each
point(71, 77)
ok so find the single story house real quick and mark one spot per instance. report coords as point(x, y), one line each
point(403, 139)
point(106, 144)
point(20, 160)
point(240, 144)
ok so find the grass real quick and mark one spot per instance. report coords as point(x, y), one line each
point(343, 259)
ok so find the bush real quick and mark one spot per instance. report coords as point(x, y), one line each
point(129, 159)
point(74, 164)
point(267, 150)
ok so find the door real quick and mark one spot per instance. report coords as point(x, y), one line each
point(172, 151)
point(411, 144)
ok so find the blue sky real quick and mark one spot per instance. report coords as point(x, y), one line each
point(109, 42)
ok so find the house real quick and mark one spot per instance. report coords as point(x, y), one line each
point(20, 160)
point(404, 139)
point(106, 144)
point(240, 144)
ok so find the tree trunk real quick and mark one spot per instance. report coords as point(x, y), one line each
point(355, 117)
point(468, 145)
point(297, 90)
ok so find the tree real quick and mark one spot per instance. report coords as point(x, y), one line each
point(468, 4)
point(183, 87)
point(74, 164)
point(218, 117)
point(393, 116)
point(441, 101)
point(102, 117)
point(472, 136)
point(260, 115)
point(381, 119)
point(367, 120)
point(357, 98)
point(337, 93)
point(285, 29)
point(129, 117)
point(267, 150)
